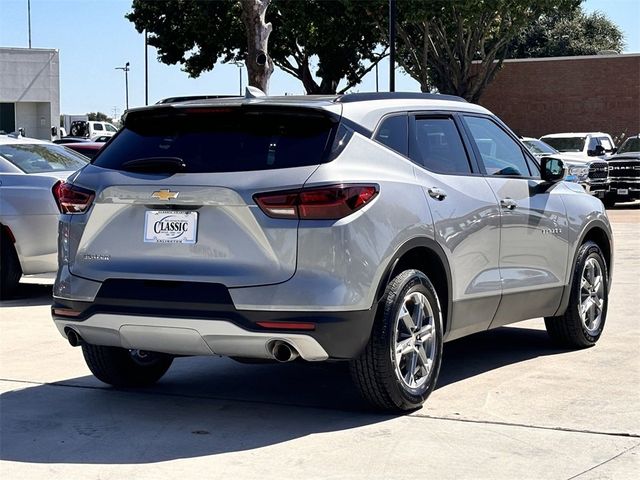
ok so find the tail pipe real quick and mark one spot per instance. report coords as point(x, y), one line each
point(283, 351)
point(75, 340)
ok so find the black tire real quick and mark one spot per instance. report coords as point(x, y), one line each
point(609, 200)
point(568, 330)
point(123, 368)
point(10, 270)
point(374, 372)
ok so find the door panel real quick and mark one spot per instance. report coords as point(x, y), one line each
point(533, 224)
point(466, 220)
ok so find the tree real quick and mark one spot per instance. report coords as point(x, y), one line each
point(574, 33)
point(439, 40)
point(99, 117)
point(342, 35)
point(339, 35)
point(259, 65)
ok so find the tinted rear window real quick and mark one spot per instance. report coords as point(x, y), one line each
point(42, 158)
point(566, 144)
point(223, 141)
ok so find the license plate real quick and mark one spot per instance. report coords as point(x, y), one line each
point(623, 191)
point(162, 226)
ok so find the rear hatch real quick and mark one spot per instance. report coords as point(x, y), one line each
point(174, 194)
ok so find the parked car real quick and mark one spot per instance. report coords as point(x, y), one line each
point(624, 173)
point(594, 144)
point(29, 169)
point(589, 172)
point(367, 228)
point(65, 140)
point(88, 149)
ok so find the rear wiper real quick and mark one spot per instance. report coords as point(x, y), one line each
point(155, 165)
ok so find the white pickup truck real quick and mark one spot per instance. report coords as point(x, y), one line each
point(591, 144)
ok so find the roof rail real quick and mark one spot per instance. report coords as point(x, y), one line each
point(362, 97)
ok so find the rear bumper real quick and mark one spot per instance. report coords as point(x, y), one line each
point(186, 318)
point(186, 336)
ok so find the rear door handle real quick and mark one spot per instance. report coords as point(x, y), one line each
point(437, 193)
point(508, 203)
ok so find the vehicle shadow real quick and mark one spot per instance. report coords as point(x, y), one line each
point(29, 295)
point(209, 406)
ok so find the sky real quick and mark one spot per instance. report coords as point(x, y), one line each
point(94, 38)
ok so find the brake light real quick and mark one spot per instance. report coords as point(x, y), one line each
point(71, 198)
point(323, 203)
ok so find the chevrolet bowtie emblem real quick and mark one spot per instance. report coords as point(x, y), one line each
point(164, 194)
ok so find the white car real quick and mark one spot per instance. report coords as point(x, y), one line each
point(29, 171)
point(589, 172)
point(91, 129)
point(580, 145)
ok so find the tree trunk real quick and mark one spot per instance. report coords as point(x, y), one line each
point(258, 61)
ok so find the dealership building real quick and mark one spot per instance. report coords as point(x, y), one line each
point(29, 91)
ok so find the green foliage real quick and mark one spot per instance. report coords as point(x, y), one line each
point(574, 33)
point(439, 40)
point(99, 117)
point(337, 34)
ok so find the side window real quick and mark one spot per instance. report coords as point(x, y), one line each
point(501, 155)
point(436, 144)
point(593, 143)
point(97, 126)
point(393, 132)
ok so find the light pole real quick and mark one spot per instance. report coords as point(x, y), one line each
point(392, 45)
point(125, 69)
point(239, 65)
point(29, 15)
point(146, 70)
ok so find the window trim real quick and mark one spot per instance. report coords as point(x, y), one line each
point(426, 114)
point(528, 157)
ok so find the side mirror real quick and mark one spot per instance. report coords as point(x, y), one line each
point(596, 152)
point(54, 131)
point(614, 150)
point(553, 170)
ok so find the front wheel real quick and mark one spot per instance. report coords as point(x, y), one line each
point(582, 323)
point(399, 367)
point(125, 368)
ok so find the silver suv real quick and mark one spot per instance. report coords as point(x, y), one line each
point(369, 228)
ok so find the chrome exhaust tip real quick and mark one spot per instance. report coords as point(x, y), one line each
point(282, 351)
point(75, 340)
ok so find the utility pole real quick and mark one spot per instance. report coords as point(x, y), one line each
point(29, 15)
point(125, 69)
point(146, 70)
point(377, 90)
point(392, 45)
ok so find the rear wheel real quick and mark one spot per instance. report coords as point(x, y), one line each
point(10, 271)
point(582, 323)
point(125, 368)
point(399, 367)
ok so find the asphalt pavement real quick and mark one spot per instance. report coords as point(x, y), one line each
point(508, 405)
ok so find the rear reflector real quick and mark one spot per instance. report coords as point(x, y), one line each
point(71, 198)
point(287, 325)
point(66, 312)
point(323, 203)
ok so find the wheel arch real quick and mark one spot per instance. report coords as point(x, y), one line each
point(426, 255)
point(599, 233)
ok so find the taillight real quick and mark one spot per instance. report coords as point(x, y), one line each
point(71, 198)
point(321, 203)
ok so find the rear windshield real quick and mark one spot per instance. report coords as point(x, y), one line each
point(222, 140)
point(566, 144)
point(42, 158)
